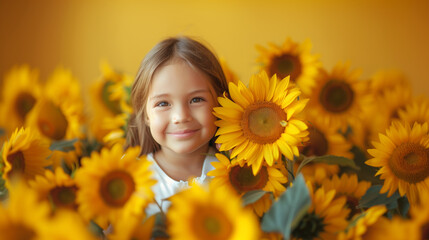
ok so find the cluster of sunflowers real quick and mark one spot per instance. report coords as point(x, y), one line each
point(304, 153)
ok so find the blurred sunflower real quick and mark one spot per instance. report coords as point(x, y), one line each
point(362, 222)
point(242, 179)
point(23, 217)
point(387, 80)
point(326, 216)
point(291, 59)
point(396, 228)
point(20, 91)
point(393, 102)
point(57, 188)
point(420, 215)
point(133, 227)
point(325, 140)
point(116, 128)
point(108, 99)
point(113, 182)
point(339, 97)
point(350, 187)
point(259, 122)
point(214, 214)
point(55, 122)
point(402, 155)
point(25, 155)
point(67, 225)
point(229, 74)
point(416, 111)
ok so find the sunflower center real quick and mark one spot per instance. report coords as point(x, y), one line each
point(285, 65)
point(113, 106)
point(410, 162)
point(336, 96)
point(18, 231)
point(212, 224)
point(17, 161)
point(318, 144)
point(64, 196)
point(24, 103)
point(262, 122)
point(116, 188)
point(243, 180)
point(52, 122)
point(309, 227)
point(352, 203)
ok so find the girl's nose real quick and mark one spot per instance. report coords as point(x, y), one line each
point(181, 114)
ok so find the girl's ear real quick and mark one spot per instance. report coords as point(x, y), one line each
point(146, 120)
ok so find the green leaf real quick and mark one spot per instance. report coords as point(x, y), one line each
point(2, 132)
point(63, 145)
point(373, 197)
point(285, 214)
point(329, 159)
point(160, 227)
point(252, 196)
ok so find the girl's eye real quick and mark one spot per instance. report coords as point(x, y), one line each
point(196, 100)
point(162, 104)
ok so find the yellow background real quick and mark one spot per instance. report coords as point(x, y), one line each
point(371, 35)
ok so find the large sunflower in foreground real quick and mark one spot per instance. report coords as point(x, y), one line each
point(113, 182)
point(242, 179)
point(22, 216)
point(57, 187)
point(339, 97)
point(259, 123)
point(25, 155)
point(291, 59)
point(350, 187)
point(326, 216)
point(420, 215)
point(133, 227)
point(212, 214)
point(20, 92)
point(402, 155)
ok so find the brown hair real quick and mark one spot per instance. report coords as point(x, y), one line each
point(184, 48)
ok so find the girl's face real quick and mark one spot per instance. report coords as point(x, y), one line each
point(179, 108)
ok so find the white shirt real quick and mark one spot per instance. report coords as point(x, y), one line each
point(167, 187)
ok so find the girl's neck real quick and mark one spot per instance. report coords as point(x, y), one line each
point(181, 166)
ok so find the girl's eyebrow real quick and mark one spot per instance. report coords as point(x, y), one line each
point(163, 95)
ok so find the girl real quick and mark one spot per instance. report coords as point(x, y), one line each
point(173, 96)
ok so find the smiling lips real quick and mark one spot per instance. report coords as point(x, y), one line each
point(183, 133)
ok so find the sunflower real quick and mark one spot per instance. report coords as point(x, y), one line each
point(20, 92)
point(108, 98)
point(402, 155)
point(259, 122)
point(113, 182)
point(23, 217)
point(67, 225)
point(350, 187)
point(214, 214)
point(116, 127)
point(242, 179)
point(291, 59)
point(55, 122)
point(133, 227)
point(339, 97)
point(420, 215)
point(229, 74)
point(322, 140)
point(25, 155)
point(387, 80)
point(57, 187)
point(326, 216)
point(415, 111)
point(362, 222)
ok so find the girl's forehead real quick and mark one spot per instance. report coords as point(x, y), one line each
point(178, 77)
